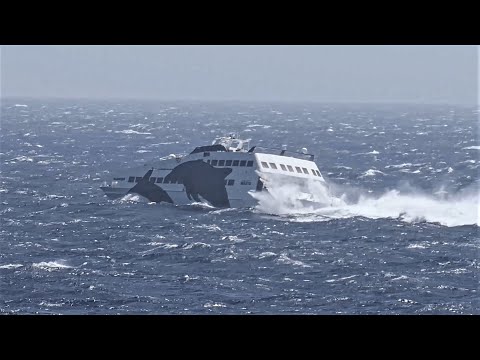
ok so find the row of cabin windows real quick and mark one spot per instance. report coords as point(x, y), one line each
point(290, 168)
point(230, 162)
point(153, 179)
point(159, 180)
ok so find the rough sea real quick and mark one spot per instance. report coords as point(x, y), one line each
point(404, 241)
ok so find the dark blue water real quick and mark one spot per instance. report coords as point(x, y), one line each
point(405, 241)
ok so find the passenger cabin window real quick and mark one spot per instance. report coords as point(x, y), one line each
point(214, 162)
point(235, 162)
point(298, 169)
point(245, 182)
point(305, 171)
point(290, 168)
point(231, 182)
point(318, 173)
point(264, 164)
point(152, 179)
point(131, 179)
point(221, 162)
point(206, 154)
point(243, 162)
point(273, 166)
point(138, 178)
point(250, 163)
point(159, 180)
point(119, 179)
point(313, 172)
point(283, 167)
point(228, 163)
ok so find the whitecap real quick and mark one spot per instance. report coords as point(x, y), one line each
point(10, 266)
point(52, 265)
point(22, 158)
point(266, 254)
point(44, 303)
point(210, 305)
point(129, 131)
point(233, 238)
point(398, 166)
point(342, 278)
point(195, 245)
point(417, 246)
point(201, 205)
point(131, 198)
point(401, 277)
point(209, 227)
point(372, 172)
point(284, 259)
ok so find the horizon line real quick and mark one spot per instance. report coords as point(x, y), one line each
point(265, 101)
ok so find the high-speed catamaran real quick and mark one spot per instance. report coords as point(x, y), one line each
point(226, 173)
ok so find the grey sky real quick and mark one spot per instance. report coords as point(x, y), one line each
point(415, 74)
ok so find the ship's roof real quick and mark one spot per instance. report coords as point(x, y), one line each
point(216, 147)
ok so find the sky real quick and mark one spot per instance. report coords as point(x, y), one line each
point(317, 73)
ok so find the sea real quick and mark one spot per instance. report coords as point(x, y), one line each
point(402, 236)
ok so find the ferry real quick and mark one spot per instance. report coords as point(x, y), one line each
point(227, 173)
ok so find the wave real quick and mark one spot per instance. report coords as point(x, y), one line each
point(200, 206)
point(129, 131)
point(341, 202)
point(51, 265)
point(10, 266)
point(134, 198)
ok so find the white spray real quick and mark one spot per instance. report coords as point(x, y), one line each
point(336, 202)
